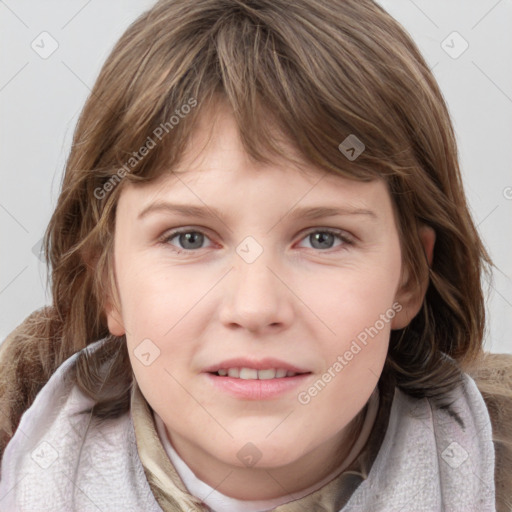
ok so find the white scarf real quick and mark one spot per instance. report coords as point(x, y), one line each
point(427, 461)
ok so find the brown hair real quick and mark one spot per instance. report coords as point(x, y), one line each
point(320, 70)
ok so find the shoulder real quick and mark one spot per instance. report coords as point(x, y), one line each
point(39, 440)
point(59, 442)
point(493, 377)
point(22, 373)
point(492, 374)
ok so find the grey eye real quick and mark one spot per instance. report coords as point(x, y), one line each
point(191, 240)
point(321, 239)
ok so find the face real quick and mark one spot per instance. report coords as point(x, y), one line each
point(252, 281)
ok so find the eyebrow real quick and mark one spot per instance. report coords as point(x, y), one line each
point(204, 212)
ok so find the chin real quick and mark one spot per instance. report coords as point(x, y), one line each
point(261, 453)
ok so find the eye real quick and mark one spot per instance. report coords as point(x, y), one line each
point(189, 239)
point(323, 239)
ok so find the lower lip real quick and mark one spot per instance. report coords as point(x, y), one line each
point(256, 389)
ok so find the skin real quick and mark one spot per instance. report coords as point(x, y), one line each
point(298, 301)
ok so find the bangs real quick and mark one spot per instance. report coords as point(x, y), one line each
point(288, 103)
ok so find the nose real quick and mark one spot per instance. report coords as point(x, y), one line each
point(256, 297)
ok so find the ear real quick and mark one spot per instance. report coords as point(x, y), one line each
point(409, 295)
point(111, 308)
point(114, 319)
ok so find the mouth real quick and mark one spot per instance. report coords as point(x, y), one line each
point(245, 373)
point(262, 383)
point(247, 378)
point(250, 368)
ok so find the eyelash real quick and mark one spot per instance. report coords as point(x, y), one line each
point(167, 237)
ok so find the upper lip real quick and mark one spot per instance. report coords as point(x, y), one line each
point(257, 364)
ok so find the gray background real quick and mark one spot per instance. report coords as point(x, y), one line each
point(40, 99)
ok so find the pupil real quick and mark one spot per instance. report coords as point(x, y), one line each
point(322, 237)
point(192, 237)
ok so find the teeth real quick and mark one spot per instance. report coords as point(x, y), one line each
point(248, 373)
point(234, 372)
point(267, 374)
point(251, 373)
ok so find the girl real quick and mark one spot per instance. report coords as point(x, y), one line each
point(266, 281)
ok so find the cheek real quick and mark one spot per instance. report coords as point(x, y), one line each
point(157, 309)
point(356, 298)
point(154, 297)
point(358, 308)
point(359, 314)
